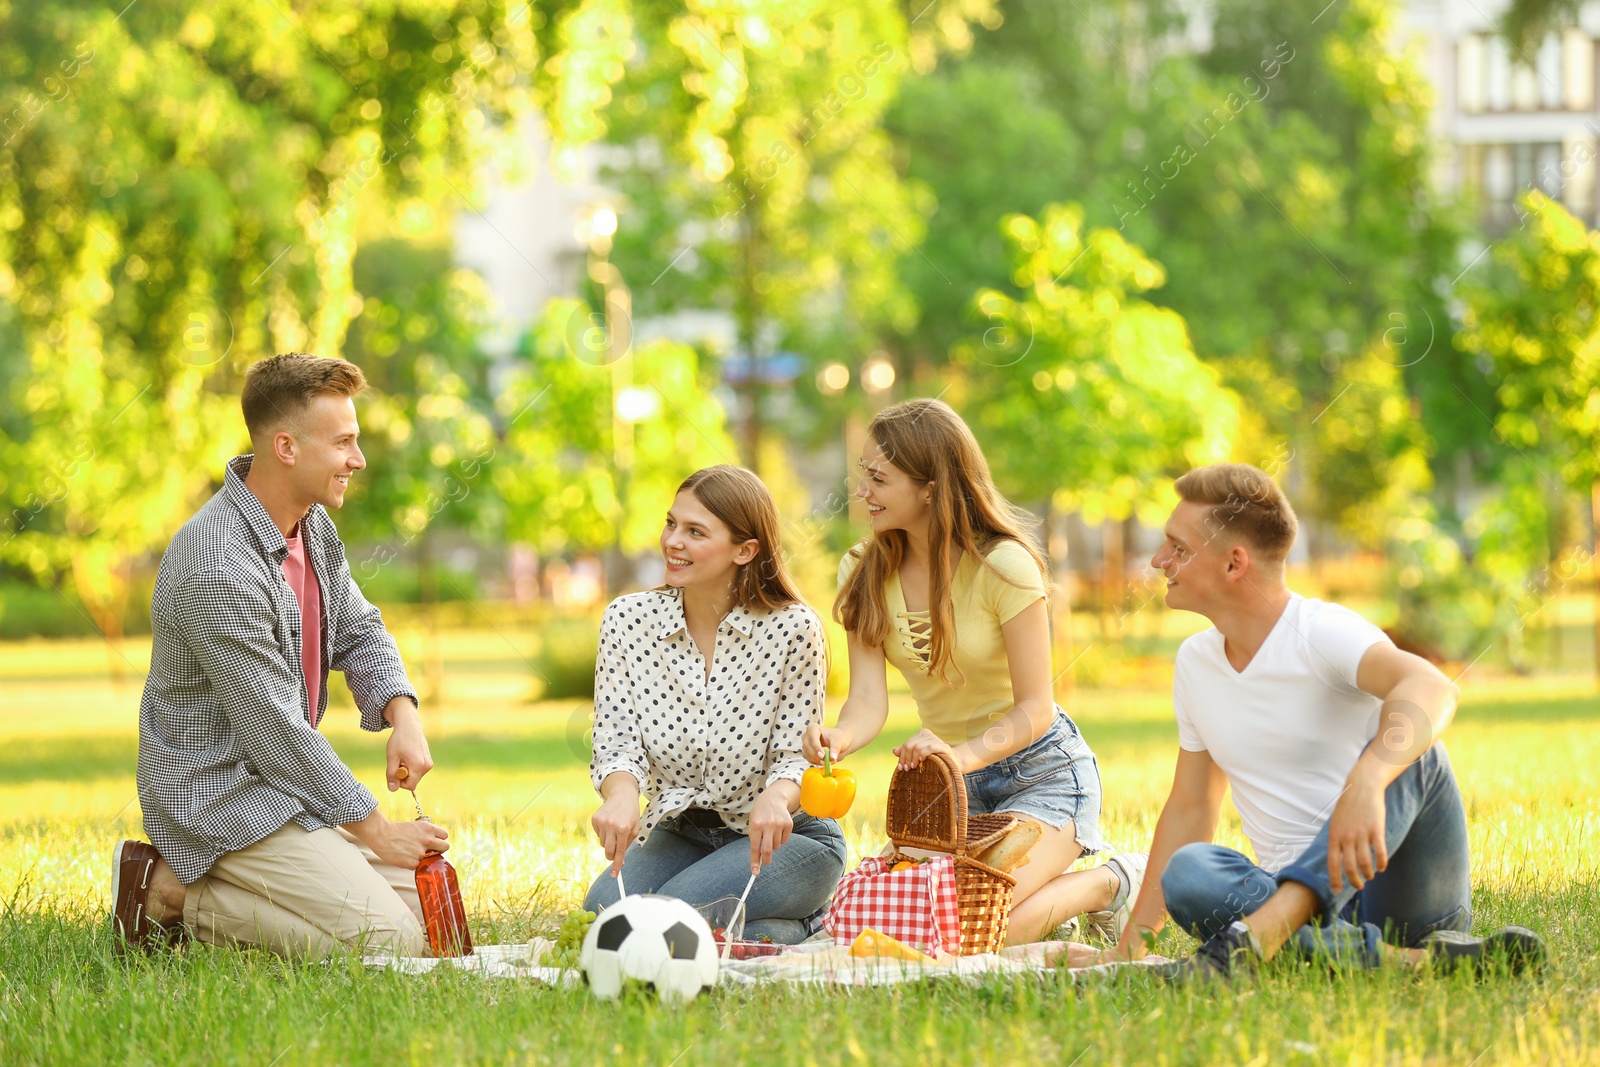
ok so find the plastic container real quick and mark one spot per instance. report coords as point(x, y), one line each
point(726, 918)
point(443, 913)
point(727, 927)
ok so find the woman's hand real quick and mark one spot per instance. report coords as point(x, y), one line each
point(770, 823)
point(1125, 951)
point(616, 824)
point(919, 746)
point(836, 739)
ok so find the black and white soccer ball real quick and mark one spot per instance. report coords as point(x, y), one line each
point(652, 939)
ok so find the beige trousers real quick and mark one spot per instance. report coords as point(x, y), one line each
point(307, 894)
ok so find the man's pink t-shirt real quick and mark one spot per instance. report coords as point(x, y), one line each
point(302, 578)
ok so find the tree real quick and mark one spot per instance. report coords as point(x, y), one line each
point(1280, 177)
point(1537, 319)
point(1092, 393)
point(758, 180)
point(1088, 396)
point(180, 191)
point(591, 463)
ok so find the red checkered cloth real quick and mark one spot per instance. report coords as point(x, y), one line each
point(917, 906)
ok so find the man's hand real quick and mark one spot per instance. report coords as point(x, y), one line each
point(616, 824)
point(771, 822)
point(1356, 831)
point(407, 747)
point(399, 844)
point(833, 738)
point(922, 744)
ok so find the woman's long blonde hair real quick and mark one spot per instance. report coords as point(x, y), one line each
point(744, 504)
point(928, 440)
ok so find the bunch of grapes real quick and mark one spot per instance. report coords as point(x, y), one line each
point(569, 940)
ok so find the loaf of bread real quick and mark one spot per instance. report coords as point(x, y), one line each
point(1011, 851)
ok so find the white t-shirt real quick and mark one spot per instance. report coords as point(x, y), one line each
point(1288, 728)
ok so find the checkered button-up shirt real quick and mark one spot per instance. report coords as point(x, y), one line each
point(227, 752)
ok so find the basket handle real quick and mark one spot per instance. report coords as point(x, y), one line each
point(927, 806)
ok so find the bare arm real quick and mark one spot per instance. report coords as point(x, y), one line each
point(1418, 703)
point(1190, 815)
point(865, 709)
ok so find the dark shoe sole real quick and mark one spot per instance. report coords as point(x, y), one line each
point(1514, 948)
point(131, 865)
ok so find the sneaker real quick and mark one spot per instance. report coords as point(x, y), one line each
point(1221, 957)
point(1108, 925)
point(1067, 931)
point(1515, 948)
point(133, 863)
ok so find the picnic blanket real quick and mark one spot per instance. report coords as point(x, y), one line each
point(814, 963)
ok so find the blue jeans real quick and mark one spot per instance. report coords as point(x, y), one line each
point(701, 864)
point(1426, 887)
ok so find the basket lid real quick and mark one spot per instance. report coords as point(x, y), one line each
point(928, 806)
point(985, 830)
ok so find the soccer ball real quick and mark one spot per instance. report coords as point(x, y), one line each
point(650, 938)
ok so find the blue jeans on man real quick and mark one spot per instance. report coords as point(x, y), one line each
point(1426, 887)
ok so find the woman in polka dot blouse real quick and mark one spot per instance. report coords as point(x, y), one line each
point(950, 590)
point(703, 690)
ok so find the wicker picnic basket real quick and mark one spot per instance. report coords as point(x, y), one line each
point(928, 810)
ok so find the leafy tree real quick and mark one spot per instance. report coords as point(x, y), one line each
point(1090, 395)
point(1537, 319)
point(179, 194)
point(585, 469)
point(1280, 177)
point(426, 420)
point(1525, 22)
point(758, 178)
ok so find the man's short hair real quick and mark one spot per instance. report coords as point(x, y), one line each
point(1245, 502)
point(278, 389)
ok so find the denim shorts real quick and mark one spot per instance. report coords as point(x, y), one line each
point(1055, 780)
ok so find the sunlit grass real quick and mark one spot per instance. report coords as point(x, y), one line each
point(512, 788)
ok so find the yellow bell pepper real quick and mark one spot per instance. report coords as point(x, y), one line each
point(826, 792)
point(872, 945)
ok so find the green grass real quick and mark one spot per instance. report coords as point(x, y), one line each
point(511, 786)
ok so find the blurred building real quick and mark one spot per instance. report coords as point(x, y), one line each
point(528, 240)
point(1509, 120)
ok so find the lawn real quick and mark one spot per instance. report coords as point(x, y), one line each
point(511, 787)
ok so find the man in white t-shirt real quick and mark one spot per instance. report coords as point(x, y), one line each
point(1328, 735)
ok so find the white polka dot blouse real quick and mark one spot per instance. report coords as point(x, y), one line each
point(695, 742)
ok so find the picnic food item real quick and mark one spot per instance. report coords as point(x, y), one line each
point(1011, 851)
point(444, 915)
point(443, 912)
point(826, 792)
point(870, 944)
point(569, 940)
point(745, 950)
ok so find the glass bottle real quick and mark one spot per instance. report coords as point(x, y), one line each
point(444, 915)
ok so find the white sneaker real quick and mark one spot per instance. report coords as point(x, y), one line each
point(1108, 925)
point(1071, 930)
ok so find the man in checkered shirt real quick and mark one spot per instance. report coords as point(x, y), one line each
point(261, 836)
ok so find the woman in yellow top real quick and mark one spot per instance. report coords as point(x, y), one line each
point(951, 591)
